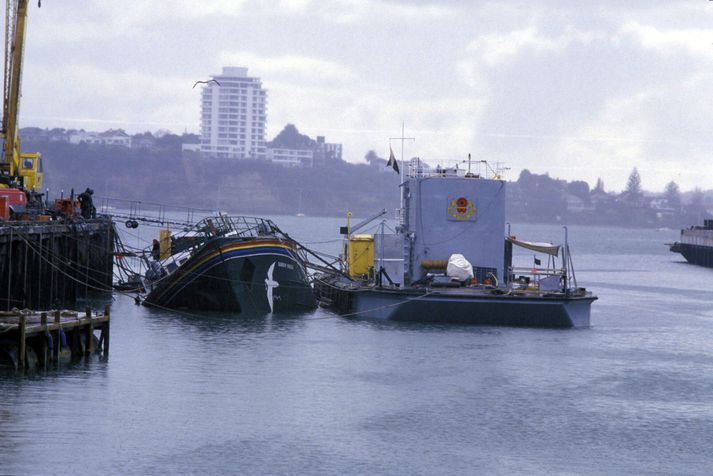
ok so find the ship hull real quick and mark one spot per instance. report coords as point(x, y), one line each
point(695, 254)
point(237, 275)
point(464, 307)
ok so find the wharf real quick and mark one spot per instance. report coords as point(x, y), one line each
point(52, 264)
point(30, 339)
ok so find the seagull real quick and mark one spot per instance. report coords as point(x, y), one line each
point(206, 82)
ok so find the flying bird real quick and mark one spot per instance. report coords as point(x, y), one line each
point(206, 82)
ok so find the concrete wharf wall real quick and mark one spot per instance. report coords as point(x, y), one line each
point(52, 264)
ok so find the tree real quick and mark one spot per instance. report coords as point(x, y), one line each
point(290, 138)
point(579, 188)
point(599, 187)
point(696, 206)
point(374, 160)
point(633, 188)
point(672, 194)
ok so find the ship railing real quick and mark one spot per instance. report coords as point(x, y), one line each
point(536, 279)
point(455, 169)
point(150, 213)
point(235, 225)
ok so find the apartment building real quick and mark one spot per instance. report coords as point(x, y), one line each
point(233, 116)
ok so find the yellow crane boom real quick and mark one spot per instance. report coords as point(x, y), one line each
point(17, 168)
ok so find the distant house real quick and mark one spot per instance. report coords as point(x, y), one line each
point(577, 204)
point(84, 137)
point(662, 208)
point(326, 152)
point(290, 157)
point(191, 147)
point(115, 137)
point(599, 198)
point(291, 148)
point(143, 141)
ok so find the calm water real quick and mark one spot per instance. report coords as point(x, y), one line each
point(318, 394)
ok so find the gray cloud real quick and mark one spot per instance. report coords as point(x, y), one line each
point(584, 90)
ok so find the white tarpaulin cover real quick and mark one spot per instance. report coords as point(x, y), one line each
point(459, 268)
point(547, 248)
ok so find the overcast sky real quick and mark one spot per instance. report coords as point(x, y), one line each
point(577, 89)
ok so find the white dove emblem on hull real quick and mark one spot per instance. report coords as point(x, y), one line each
point(270, 284)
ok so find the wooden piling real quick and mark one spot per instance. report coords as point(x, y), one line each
point(58, 337)
point(89, 333)
point(105, 331)
point(30, 333)
point(21, 348)
point(43, 341)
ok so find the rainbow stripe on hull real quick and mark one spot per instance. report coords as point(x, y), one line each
point(254, 275)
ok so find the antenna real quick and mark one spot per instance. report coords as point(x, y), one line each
point(403, 138)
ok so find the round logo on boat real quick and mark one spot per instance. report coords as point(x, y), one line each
point(461, 208)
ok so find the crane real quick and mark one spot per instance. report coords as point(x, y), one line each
point(22, 170)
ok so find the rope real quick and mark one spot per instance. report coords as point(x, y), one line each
point(386, 306)
point(63, 272)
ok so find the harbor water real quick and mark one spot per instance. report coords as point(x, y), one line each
point(315, 393)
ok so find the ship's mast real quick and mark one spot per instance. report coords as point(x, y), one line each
point(402, 170)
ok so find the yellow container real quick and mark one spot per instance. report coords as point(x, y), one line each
point(361, 254)
point(165, 241)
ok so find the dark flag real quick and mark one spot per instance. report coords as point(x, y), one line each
point(537, 262)
point(392, 161)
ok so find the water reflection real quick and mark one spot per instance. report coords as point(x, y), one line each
point(221, 322)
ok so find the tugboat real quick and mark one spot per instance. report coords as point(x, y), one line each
point(449, 260)
point(696, 244)
point(227, 263)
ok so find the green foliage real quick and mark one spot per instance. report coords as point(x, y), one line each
point(258, 187)
point(290, 138)
point(599, 187)
point(240, 186)
point(579, 189)
point(633, 184)
point(672, 194)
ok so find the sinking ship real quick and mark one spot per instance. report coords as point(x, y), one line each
point(227, 263)
point(449, 259)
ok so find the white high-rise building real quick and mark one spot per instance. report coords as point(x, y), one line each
point(233, 116)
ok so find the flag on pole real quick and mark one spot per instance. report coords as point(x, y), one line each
point(537, 262)
point(392, 161)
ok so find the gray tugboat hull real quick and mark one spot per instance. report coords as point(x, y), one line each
point(695, 254)
point(480, 309)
